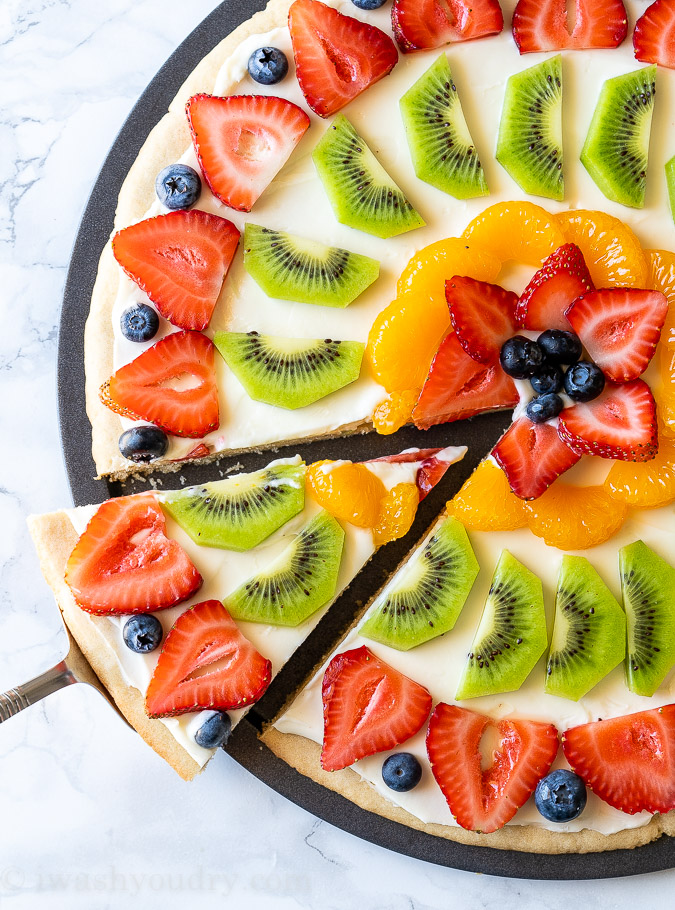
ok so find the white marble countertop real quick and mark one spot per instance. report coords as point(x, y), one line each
point(89, 817)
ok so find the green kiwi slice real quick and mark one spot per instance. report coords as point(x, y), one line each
point(670, 184)
point(289, 372)
point(299, 581)
point(441, 147)
point(529, 144)
point(425, 596)
point(589, 631)
point(292, 268)
point(648, 587)
point(239, 512)
point(511, 634)
point(361, 192)
point(616, 149)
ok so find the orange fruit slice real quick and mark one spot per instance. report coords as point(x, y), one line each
point(485, 502)
point(395, 411)
point(348, 491)
point(521, 231)
point(397, 513)
point(661, 265)
point(612, 251)
point(574, 518)
point(647, 484)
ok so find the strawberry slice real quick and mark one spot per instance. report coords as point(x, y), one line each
point(336, 56)
point(620, 423)
point(562, 278)
point(206, 662)
point(620, 328)
point(180, 260)
point(483, 316)
point(629, 761)
point(458, 386)
point(532, 455)
point(541, 25)
point(432, 465)
point(141, 389)
point(368, 707)
point(423, 24)
point(486, 799)
point(124, 562)
point(242, 142)
point(654, 35)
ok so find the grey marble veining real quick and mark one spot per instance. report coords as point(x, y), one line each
point(89, 816)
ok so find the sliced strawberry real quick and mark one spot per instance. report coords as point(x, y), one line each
point(242, 142)
point(336, 56)
point(433, 464)
point(562, 278)
point(532, 455)
point(180, 260)
point(368, 707)
point(654, 35)
point(620, 328)
point(486, 799)
point(541, 25)
point(141, 388)
point(124, 562)
point(458, 386)
point(483, 316)
point(629, 761)
point(423, 24)
point(620, 423)
point(408, 456)
point(206, 662)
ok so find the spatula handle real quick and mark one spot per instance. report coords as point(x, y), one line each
point(15, 700)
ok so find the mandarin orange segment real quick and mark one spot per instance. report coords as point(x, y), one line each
point(520, 231)
point(395, 411)
point(348, 491)
point(486, 503)
point(661, 264)
point(574, 518)
point(646, 484)
point(665, 392)
point(397, 513)
point(612, 251)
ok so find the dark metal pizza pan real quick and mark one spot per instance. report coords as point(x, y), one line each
point(479, 434)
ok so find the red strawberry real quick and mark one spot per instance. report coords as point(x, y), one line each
point(368, 707)
point(124, 563)
point(629, 761)
point(541, 25)
point(654, 35)
point(423, 24)
point(620, 423)
point(562, 278)
point(336, 56)
point(620, 328)
point(242, 142)
point(431, 468)
point(141, 388)
point(486, 799)
point(180, 260)
point(458, 386)
point(532, 456)
point(483, 316)
point(206, 662)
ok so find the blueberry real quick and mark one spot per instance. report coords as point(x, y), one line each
point(560, 796)
point(267, 65)
point(139, 322)
point(144, 443)
point(142, 633)
point(559, 346)
point(368, 4)
point(544, 408)
point(215, 731)
point(584, 381)
point(548, 378)
point(178, 186)
point(401, 772)
point(520, 357)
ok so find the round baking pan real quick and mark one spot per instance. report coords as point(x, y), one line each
point(479, 435)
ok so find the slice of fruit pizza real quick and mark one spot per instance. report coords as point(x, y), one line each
point(188, 602)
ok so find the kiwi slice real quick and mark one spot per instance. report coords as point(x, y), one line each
point(670, 184)
point(589, 631)
point(529, 144)
point(299, 581)
point(648, 587)
point(441, 147)
point(511, 634)
point(289, 372)
point(425, 597)
point(292, 268)
point(239, 512)
point(361, 192)
point(616, 149)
